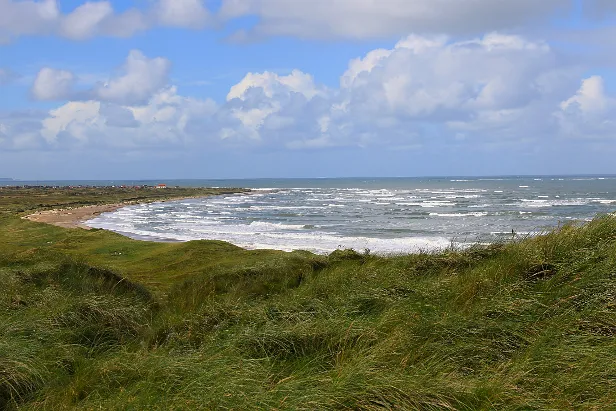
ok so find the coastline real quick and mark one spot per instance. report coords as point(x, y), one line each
point(76, 217)
point(78, 303)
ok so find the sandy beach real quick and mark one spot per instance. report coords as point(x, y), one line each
point(73, 217)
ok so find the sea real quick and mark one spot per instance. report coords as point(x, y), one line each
point(382, 215)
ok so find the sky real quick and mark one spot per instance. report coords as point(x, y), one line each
point(147, 89)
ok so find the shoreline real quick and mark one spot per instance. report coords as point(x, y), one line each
point(76, 217)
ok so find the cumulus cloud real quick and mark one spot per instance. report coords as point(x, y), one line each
point(118, 116)
point(357, 19)
point(425, 91)
point(590, 112)
point(75, 119)
point(141, 77)
point(267, 100)
point(166, 119)
point(20, 130)
point(272, 83)
point(137, 81)
point(361, 19)
point(27, 17)
point(52, 84)
point(182, 13)
point(433, 80)
point(95, 18)
point(85, 21)
point(423, 86)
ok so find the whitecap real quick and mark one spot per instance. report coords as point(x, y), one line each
point(474, 214)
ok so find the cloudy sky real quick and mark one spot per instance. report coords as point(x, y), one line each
point(306, 88)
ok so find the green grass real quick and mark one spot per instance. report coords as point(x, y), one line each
point(90, 320)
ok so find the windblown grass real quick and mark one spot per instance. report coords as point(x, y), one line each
point(91, 320)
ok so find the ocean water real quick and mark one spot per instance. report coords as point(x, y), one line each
point(389, 215)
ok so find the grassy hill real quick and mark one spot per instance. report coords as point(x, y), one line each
point(90, 319)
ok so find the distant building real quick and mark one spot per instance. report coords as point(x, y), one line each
point(161, 186)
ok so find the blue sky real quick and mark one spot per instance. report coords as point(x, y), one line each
point(306, 88)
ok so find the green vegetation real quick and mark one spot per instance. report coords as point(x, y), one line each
point(90, 319)
point(22, 199)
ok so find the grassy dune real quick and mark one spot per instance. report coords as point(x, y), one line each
point(90, 319)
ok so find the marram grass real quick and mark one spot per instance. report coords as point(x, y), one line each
point(92, 320)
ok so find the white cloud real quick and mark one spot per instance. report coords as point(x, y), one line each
point(182, 13)
point(423, 92)
point(27, 17)
point(52, 84)
point(85, 21)
point(497, 87)
point(95, 18)
point(118, 116)
point(268, 100)
point(20, 130)
point(139, 79)
point(272, 83)
point(590, 98)
point(590, 113)
point(424, 78)
point(77, 119)
point(166, 119)
point(360, 19)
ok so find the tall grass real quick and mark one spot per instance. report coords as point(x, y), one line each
point(529, 324)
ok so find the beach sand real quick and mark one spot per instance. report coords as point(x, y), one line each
point(73, 217)
point(76, 217)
